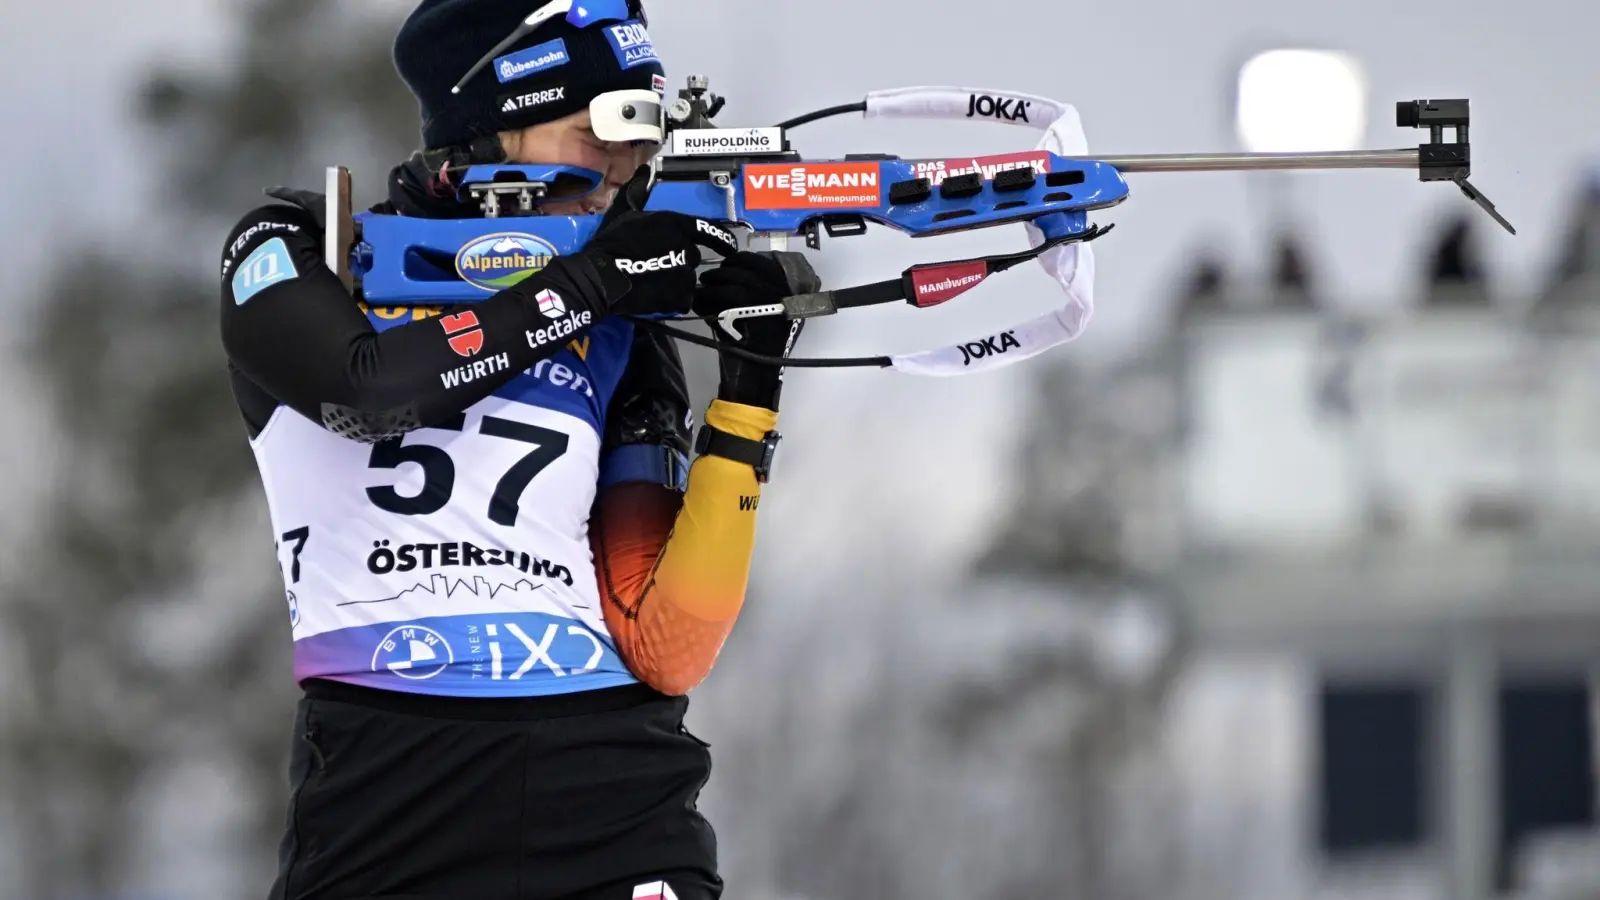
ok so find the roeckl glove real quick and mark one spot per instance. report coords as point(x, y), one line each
point(752, 278)
point(647, 260)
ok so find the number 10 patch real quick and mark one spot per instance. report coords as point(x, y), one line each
point(269, 264)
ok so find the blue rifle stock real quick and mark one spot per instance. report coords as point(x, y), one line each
point(400, 260)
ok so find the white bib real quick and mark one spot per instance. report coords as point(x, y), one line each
point(454, 560)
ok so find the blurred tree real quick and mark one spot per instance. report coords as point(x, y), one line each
point(1566, 305)
point(1096, 461)
point(1291, 273)
point(1204, 291)
point(1455, 270)
point(1095, 519)
point(990, 736)
point(147, 628)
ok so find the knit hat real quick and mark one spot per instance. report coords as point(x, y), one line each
point(553, 71)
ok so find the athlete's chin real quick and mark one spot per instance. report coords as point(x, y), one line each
point(600, 200)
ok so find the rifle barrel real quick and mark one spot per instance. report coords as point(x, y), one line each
point(1240, 162)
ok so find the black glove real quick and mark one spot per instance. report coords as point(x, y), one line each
point(647, 260)
point(312, 202)
point(753, 279)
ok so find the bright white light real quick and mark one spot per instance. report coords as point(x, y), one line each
point(1301, 100)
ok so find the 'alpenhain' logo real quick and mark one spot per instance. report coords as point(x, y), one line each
point(495, 262)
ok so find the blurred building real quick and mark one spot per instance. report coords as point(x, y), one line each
point(1400, 512)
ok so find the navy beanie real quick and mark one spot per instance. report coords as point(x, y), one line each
point(553, 72)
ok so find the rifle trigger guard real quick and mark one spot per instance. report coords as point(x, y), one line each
point(795, 306)
point(727, 317)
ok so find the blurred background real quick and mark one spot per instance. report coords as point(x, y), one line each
point(1281, 582)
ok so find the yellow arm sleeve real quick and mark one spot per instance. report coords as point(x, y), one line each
point(673, 568)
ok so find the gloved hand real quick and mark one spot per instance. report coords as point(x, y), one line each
point(647, 260)
point(751, 279)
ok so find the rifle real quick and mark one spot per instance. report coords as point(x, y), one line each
point(752, 182)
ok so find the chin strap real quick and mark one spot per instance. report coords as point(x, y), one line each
point(923, 286)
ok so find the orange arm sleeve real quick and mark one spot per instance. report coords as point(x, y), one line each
point(672, 568)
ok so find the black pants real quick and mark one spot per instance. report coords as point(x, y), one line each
point(580, 797)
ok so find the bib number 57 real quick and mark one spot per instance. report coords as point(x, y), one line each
point(439, 470)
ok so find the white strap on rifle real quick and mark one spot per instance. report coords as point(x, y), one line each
point(940, 102)
point(1070, 265)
